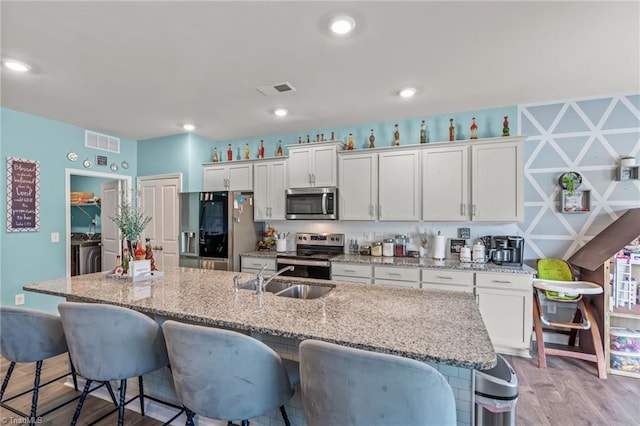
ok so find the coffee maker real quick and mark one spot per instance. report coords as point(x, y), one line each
point(507, 250)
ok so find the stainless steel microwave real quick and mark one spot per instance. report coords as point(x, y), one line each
point(312, 203)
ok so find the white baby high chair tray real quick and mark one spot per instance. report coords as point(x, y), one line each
point(570, 288)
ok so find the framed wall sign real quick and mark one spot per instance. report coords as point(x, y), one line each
point(23, 195)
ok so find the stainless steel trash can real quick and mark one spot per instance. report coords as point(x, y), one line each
point(496, 395)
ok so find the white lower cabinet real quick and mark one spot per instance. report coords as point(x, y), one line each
point(396, 276)
point(255, 264)
point(442, 279)
point(351, 272)
point(505, 303)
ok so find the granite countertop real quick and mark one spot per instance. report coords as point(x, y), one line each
point(413, 323)
point(421, 262)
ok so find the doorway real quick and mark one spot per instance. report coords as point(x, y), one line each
point(118, 188)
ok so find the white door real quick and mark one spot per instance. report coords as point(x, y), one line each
point(398, 185)
point(159, 199)
point(445, 184)
point(110, 232)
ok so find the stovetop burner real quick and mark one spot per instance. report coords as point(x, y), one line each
point(317, 246)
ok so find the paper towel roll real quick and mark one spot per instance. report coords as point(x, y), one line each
point(439, 247)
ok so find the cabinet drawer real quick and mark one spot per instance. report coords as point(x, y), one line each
point(251, 264)
point(440, 276)
point(448, 287)
point(351, 270)
point(504, 281)
point(351, 279)
point(394, 283)
point(399, 274)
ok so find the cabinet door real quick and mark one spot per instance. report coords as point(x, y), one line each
point(240, 177)
point(497, 172)
point(398, 183)
point(299, 168)
point(445, 184)
point(358, 183)
point(214, 178)
point(505, 314)
point(261, 192)
point(324, 165)
point(277, 186)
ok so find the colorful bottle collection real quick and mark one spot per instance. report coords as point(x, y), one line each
point(396, 136)
point(452, 131)
point(474, 129)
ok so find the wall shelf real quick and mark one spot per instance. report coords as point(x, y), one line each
point(627, 173)
point(578, 202)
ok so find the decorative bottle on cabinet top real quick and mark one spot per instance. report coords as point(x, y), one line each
point(215, 155)
point(350, 143)
point(452, 131)
point(474, 129)
point(505, 126)
point(423, 132)
point(279, 152)
point(261, 149)
point(229, 153)
point(396, 136)
point(372, 140)
point(246, 151)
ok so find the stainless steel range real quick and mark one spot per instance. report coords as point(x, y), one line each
point(313, 255)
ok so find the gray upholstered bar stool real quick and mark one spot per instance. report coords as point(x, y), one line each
point(112, 343)
point(347, 386)
point(27, 335)
point(226, 375)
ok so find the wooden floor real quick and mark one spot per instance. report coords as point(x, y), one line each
point(568, 392)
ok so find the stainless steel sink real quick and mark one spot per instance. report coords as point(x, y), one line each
point(304, 291)
point(273, 287)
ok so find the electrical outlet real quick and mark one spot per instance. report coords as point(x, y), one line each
point(55, 237)
point(20, 299)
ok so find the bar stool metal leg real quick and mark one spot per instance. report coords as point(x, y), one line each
point(141, 392)
point(34, 398)
point(284, 416)
point(85, 392)
point(5, 382)
point(123, 394)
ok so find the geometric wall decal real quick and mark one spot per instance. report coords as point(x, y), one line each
point(623, 142)
point(548, 157)
point(572, 146)
point(620, 117)
point(594, 108)
point(634, 100)
point(589, 138)
point(545, 114)
point(598, 154)
point(570, 122)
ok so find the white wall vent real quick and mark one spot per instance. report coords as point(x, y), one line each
point(102, 142)
point(276, 89)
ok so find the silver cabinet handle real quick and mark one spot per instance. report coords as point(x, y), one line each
point(474, 211)
point(394, 274)
point(443, 277)
point(379, 211)
point(370, 210)
point(157, 247)
point(313, 177)
point(464, 208)
point(257, 265)
point(349, 271)
point(501, 281)
point(269, 211)
point(310, 181)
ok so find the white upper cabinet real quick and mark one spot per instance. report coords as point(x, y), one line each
point(358, 186)
point(445, 183)
point(227, 177)
point(399, 185)
point(497, 176)
point(269, 186)
point(313, 165)
point(480, 181)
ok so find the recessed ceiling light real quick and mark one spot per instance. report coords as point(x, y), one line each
point(281, 112)
point(342, 25)
point(407, 92)
point(16, 65)
point(188, 127)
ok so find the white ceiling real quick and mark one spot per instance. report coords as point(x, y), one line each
point(138, 69)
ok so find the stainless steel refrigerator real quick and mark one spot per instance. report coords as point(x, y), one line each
point(225, 229)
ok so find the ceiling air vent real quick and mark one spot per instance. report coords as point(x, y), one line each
point(276, 89)
point(102, 142)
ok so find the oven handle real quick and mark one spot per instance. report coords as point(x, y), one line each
point(283, 261)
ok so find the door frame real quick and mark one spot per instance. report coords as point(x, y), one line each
point(127, 180)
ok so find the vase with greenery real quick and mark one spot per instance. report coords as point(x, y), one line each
point(571, 181)
point(131, 223)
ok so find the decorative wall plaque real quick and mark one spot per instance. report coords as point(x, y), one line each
point(23, 195)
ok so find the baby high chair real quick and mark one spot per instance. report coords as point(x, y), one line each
point(555, 283)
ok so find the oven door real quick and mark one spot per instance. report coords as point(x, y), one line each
point(306, 268)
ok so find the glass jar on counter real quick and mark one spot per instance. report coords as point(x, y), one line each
point(400, 246)
point(376, 249)
point(387, 247)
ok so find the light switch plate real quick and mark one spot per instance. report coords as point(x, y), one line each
point(55, 237)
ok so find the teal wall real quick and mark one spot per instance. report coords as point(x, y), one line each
point(27, 257)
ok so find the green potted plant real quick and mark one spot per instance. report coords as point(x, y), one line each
point(131, 223)
point(570, 181)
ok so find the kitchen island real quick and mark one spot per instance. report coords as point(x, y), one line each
point(438, 327)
